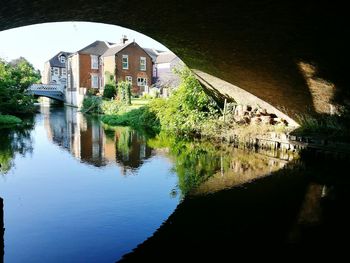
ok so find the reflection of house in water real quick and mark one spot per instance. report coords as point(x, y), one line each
point(86, 140)
point(83, 138)
point(131, 148)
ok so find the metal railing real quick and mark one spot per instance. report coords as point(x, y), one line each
point(46, 87)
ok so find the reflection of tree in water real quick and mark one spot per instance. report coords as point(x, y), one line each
point(131, 148)
point(13, 141)
point(194, 162)
point(203, 167)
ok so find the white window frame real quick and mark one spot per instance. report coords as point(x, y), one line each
point(64, 71)
point(141, 81)
point(128, 79)
point(62, 59)
point(56, 71)
point(94, 62)
point(143, 63)
point(94, 80)
point(126, 61)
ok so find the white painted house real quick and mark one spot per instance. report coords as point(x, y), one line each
point(55, 71)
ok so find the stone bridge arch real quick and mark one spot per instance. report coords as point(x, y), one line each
point(291, 54)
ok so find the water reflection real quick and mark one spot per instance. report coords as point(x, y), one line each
point(87, 140)
point(14, 141)
point(203, 167)
point(86, 214)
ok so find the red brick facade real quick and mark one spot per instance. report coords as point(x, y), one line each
point(86, 71)
point(134, 52)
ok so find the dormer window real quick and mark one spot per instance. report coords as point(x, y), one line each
point(63, 59)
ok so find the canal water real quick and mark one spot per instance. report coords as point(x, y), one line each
point(75, 190)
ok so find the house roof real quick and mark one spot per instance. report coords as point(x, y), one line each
point(153, 53)
point(165, 57)
point(114, 49)
point(55, 62)
point(96, 48)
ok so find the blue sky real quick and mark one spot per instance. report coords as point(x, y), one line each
point(38, 43)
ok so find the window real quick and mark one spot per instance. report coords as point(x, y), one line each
point(55, 71)
point(94, 81)
point(128, 79)
point(63, 59)
point(64, 71)
point(125, 62)
point(141, 81)
point(143, 63)
point(94, 62)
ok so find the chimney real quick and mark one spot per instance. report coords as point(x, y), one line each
point(124, 39)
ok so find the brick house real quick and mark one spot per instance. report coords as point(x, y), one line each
point(128, 62)
point(84, 72)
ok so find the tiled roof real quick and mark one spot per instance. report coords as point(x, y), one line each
point(95, 48)
point(55, 61)
point(115, 49)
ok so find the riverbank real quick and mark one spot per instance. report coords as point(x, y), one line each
point(6, 120)
point(192, 114)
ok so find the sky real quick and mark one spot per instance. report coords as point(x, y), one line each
point(38, 43)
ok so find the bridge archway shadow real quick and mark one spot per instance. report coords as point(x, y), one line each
point(256, 46)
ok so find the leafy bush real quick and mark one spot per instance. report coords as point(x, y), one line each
point(109, 91)
point(141, 118)
point(124, 92)
point(92, 104)
point(187, 110)
point(9, 120)
point(111, 107)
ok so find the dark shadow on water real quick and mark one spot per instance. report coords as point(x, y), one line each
point(301, 208)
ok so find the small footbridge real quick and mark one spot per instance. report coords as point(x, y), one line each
point(52, 91)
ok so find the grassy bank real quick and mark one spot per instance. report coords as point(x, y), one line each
point(188, 113)
point(191, 113)
point(140, 118)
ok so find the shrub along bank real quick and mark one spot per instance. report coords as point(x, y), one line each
point(15, 77)
point(189, 112)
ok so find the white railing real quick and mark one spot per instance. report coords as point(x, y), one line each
point(46, 87)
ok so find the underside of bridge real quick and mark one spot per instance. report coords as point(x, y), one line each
point(291, 54)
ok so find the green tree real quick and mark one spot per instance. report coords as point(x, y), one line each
point(15, 77)
point(188, 109)
point(124, 92)
point(109, 91)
